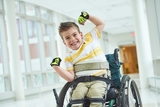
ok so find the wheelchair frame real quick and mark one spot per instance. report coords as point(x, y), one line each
point(128, 87)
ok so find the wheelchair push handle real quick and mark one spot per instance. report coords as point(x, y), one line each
point(116, 56)
point(56, 96)
point(116, 50)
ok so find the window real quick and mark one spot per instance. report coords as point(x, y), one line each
point(1, 64)
point(35, 61)
point(46, 41)
point(32, 28)
point(2, 88)
point(36, 44)
point(45, 29)
point(21, 46)
point(19, 29)
point(44, 14)
point(17, 9)
point(50, 78)
point(30, 10)
point(37, 80)
point(4, 66)
point(1, 6)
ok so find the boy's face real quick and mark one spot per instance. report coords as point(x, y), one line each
point(72, 38)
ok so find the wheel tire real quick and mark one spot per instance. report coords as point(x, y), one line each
point(136, 94)
point(63, 94)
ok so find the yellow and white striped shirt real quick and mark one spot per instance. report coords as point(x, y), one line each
point(89, 51)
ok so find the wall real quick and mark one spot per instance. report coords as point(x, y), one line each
point(119, 40)
point(152, 9)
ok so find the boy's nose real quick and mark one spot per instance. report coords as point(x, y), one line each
point(72, 38)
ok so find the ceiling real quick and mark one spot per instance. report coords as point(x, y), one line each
point(116, 13)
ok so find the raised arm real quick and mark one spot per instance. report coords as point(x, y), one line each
point(98, 22)
point(94, 19)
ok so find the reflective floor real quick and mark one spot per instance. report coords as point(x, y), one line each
point(149, 98)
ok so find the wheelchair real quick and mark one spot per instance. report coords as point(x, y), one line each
point(126, 94)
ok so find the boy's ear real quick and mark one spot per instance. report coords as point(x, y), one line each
point(81, 34)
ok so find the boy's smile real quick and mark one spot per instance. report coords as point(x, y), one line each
point(72, 38)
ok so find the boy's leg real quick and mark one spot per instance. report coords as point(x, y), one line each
point(79, 93)
point(97, 90)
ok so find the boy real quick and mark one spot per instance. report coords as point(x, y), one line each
point(81, 50)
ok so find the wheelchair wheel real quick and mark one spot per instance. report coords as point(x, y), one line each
point(134, 99)
point(123, 97)
point(129, 94)
point(63, 97)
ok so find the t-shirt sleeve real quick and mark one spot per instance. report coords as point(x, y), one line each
point(68, 63)
point(95, 34)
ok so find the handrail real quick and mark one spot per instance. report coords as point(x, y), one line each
point(156, 77)
point(154, 84)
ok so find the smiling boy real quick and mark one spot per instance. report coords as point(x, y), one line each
point(82, 49)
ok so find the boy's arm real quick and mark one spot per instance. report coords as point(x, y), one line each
point(67, 75)
point(95, 20)
point(98, 22)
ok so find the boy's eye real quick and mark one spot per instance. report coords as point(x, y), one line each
point(74, 34)
point(67, 38)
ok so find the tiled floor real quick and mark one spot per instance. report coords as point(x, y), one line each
point(42, 100)
point(149, 98)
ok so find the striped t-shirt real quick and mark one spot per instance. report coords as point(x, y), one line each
point(89, 51)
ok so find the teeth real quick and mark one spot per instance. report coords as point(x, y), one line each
point(74, 43)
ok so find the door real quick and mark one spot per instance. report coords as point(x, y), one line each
point(128, 55)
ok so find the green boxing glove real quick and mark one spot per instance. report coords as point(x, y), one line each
point(83, 17)
point(56, 62)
